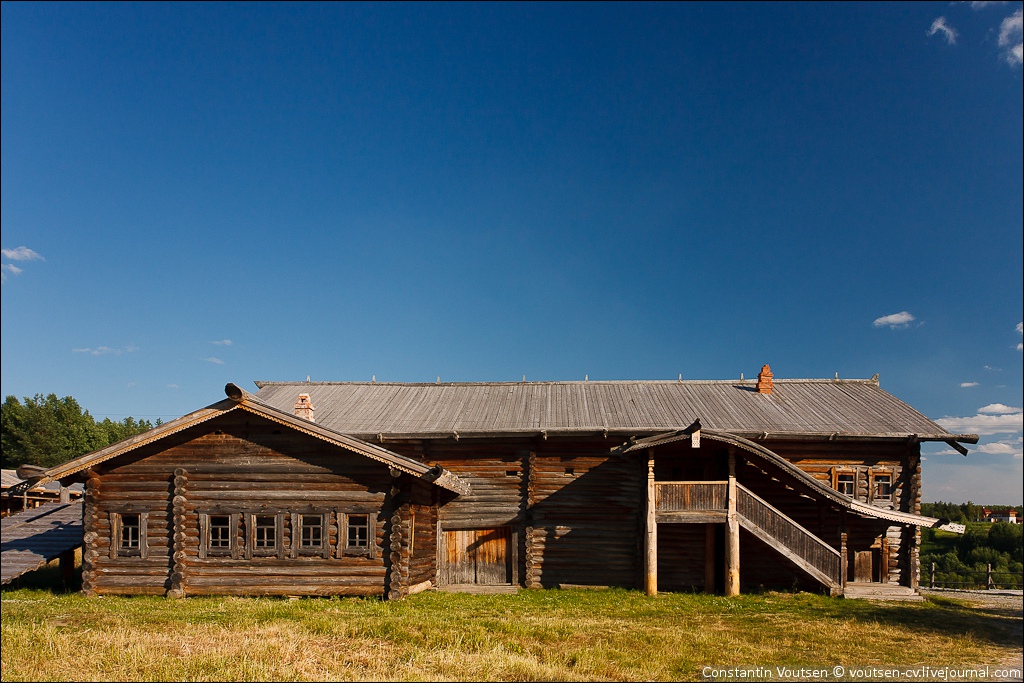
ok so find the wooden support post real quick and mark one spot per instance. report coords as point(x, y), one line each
point(65, 495)
point(651, 535)
point(709, 558)
point(844, 560)
point(732, 534)
point(931, 577)
point(988, 577)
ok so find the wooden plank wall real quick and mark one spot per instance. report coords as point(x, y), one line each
point(681, 557)
point(236, 464)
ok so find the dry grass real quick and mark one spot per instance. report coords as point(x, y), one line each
point(535, 635)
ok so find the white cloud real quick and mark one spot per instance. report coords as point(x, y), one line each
point(172, 386)
point(1001, 448)
point(965, 385)
point(1011, 35)
point(16, 254)
point(222, 342)
point(998, 409)
point(211, 359)
point(982, 4)
point(8, 268)
point(21, 254)
point(981, 424)
point(106, 350)
point(947, 31)
point(895, 321)
point(1020, 330)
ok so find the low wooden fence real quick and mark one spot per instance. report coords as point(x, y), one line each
point(988, 579)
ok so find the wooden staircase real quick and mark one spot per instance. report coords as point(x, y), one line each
point(707, 501)
point(794, 542)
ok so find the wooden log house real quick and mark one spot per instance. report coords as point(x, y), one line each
point(310, 488)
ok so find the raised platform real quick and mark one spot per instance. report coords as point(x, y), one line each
point(880, 591)
point(478, 590)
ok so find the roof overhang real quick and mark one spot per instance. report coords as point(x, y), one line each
point(238, 399)
point(767, 455)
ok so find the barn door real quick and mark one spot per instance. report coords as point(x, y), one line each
point(477, 556)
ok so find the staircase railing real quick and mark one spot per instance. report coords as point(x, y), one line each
point(787, 535)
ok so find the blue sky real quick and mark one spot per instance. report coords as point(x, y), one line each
point(200, 194)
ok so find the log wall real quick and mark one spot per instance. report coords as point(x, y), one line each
point(231, 466)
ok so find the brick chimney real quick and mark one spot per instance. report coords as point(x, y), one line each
point(304, 407)
point(764, 380)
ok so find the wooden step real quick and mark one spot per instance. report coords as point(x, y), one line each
point(880, 591)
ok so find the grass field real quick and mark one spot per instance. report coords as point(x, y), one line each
point(534, 635)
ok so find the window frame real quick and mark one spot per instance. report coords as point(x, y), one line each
point(876, 478)
point(837, 472)
point(251, 550)
point(344, 549)
point(205, 549)
point(324, 549)
point(116, 527)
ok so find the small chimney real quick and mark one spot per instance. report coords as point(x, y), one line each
point(304, 407)
point(764, 380)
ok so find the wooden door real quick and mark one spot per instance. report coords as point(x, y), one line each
point(863, 566)
point(477, 556)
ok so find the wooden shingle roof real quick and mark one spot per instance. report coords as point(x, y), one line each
point(796, 407)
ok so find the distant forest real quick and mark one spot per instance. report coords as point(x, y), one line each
point(964, 512)
point(963, 561)
point(46, 430)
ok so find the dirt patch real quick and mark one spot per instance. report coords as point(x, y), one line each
point(1008, 604)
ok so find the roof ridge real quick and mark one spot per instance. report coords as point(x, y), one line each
point(795, 380)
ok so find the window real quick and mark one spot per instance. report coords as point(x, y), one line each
point(264, 534)
point(357, 532)
point(128, 534)
point(310, 534)
point(883, 487)
point(218, 534)
point(846, 484)
point(358, 535)
point(131, 532)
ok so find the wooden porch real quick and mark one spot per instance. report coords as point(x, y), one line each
point(732, 504)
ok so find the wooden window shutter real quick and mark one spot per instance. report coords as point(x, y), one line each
point(143, 536)
point(296, 534)
point(280, 535)
point(371, 545)
point(249, 533)
point(115, 533)
point(342, 534)
point(325, 526)
point(235, 549)
point(204, 533)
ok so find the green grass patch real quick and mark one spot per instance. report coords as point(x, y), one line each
point(532, 635)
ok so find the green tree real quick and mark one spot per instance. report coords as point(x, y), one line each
point(46, 430)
